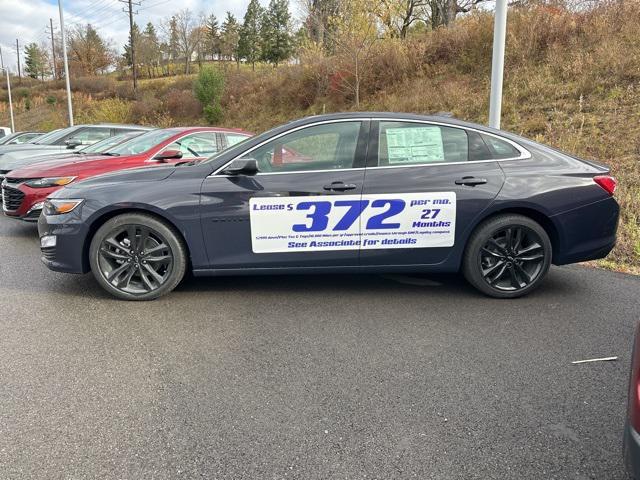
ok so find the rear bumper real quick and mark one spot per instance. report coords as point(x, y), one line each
point(69, 254)
point(586, 233)
point(632, 451)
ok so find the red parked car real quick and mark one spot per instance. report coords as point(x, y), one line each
point(25, 189)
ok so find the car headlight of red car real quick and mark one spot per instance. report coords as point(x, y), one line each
point(50, 182)
point(53, 206)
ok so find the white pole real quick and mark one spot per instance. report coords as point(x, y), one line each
point(497, 63)
point(13, 125)
point(66, 63)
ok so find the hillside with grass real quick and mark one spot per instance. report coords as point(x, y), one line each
point(572, 80)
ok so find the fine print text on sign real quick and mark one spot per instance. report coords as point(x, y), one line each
point(352, 222)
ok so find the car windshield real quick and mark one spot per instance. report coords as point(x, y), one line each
point(108, 143)
point(51, 137)
point(143, 142)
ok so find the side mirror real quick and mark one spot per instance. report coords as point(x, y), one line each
point(72, 143)
point(242, 166)
point(168, 155)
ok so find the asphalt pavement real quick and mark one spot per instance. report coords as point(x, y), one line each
point(316, 377)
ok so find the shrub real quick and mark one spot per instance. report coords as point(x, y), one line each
point(208, 88)
point(181, 104)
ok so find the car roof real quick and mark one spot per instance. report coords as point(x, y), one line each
point(208, 129)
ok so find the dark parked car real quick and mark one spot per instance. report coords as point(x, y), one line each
point(372, 192)
point(632, 424)
point(19, 138)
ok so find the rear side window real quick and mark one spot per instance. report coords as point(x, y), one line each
point(407, 143)
point(499, 148)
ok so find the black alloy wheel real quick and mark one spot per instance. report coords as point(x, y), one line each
point(137, 257)
point(512, 258)
point(507, 256)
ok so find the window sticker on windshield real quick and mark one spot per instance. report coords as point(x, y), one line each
point(415, 145)
point(352, 222)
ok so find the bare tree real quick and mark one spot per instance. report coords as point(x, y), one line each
point(187, 29)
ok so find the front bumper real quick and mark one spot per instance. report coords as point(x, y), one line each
point(23, 202)
point(70, 252)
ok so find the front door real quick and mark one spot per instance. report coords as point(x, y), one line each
point(430, 181)
point(300, 210)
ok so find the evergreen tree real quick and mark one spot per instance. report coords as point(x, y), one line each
point(212, 37)
point(36, 61)
point(127, 47)
point(275, 33)
point(249, 39)
point(229, 37)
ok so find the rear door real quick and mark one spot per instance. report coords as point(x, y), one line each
point(425, 185)
point(300, 210)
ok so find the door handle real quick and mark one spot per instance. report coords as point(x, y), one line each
point(471, 181)
point(340, 186)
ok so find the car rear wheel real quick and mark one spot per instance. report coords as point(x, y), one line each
point(507, 256)
point(137, 257)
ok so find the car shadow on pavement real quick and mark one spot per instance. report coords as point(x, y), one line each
point(18, 229)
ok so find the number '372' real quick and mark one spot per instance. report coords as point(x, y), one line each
point(319, 214)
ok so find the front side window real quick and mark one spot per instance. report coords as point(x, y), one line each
point(320, 147)
point(406, 143)
point(196, 146)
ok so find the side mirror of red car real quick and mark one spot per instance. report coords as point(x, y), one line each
point(168, 155)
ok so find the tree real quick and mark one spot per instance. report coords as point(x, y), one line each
point(249, 38)
point(318, 23)
point(275, 33)
point(355, 35)
point(212, 37)
point(135, 34)
point(36, 61)
point(208, 88)
point(229, 37)
point(89, 53)
point(149, 49)
point(188, 32)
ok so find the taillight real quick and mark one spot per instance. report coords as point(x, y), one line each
point(607, 182)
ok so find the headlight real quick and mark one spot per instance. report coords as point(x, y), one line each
point(55, 206)
point(49, 182)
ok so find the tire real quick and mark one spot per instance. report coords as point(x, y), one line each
point(502, 263)
point(128, 271)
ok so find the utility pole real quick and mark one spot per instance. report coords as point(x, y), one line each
point(66, 63)
point(13, 125)
point(53, 50)
point(134, 68)
point(497, 63)
point(18, 55)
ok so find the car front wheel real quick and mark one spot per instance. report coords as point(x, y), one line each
point(137, 257)
point(507, 256)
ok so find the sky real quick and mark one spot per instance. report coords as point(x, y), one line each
point(27, 20)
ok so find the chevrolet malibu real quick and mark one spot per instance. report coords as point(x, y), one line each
point(356, 192)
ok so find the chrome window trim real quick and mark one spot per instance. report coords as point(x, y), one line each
point(524, 153)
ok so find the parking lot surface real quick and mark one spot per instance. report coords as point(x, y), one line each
point(374, 377)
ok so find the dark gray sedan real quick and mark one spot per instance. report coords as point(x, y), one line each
point(355, 192)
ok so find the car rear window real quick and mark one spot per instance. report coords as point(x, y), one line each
point(500, 149)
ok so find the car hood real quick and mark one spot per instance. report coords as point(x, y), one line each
point(30, 147)
point(14, 160)
point(142, 174)
point(89, 165)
